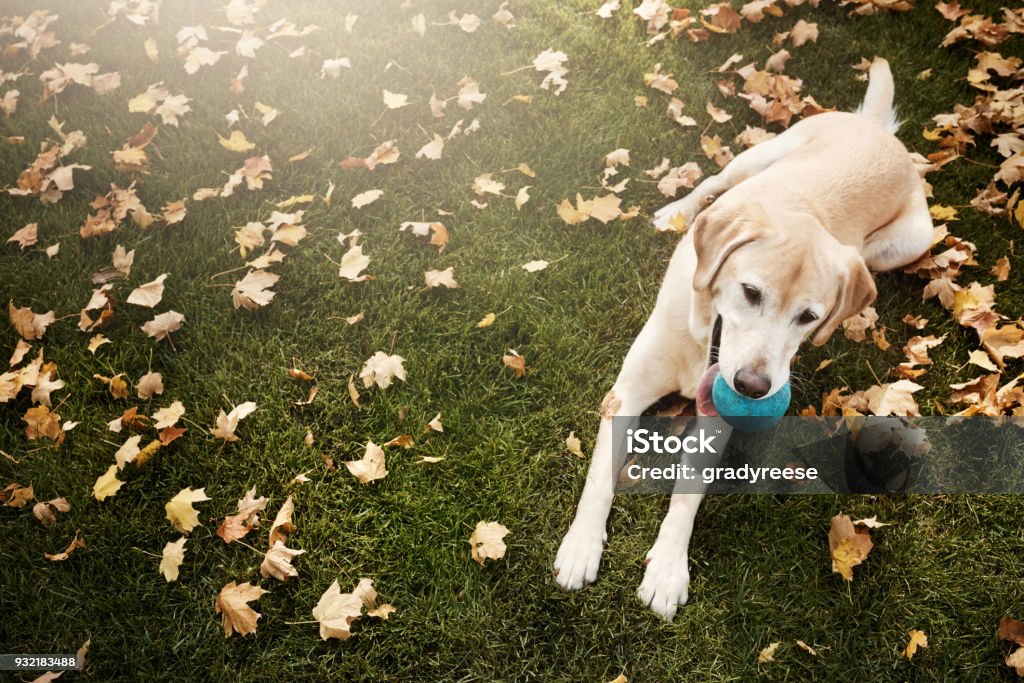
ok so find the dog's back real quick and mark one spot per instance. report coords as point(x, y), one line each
point(849, 170)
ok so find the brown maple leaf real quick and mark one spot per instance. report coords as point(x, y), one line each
point(232, 604)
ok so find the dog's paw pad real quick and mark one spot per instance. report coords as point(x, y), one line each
point(578, 560)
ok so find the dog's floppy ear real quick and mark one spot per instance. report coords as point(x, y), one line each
point(856, 292)
point(718, 232)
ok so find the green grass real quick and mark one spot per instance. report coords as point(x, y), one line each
point(760, 565)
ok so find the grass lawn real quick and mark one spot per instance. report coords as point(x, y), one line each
point(760, 565)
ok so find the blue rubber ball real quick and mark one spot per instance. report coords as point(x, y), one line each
point(748, 414)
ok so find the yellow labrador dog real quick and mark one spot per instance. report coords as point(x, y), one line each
point(781, 248)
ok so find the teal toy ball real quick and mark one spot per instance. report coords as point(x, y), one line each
point(748, 414)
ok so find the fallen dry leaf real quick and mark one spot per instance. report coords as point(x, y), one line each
point(849, 545)
point(117, 387)
point(107, 484)
point(522, 196)
point(1011, 630)
point(870, 522)
point(403, 440)
point(180, 512)
point(441, 278)
point(1015, 660)
point(16, 495)
point(917, 639)
point(333, 67)
point(30, 325)
point(486, 541)
point(893, 399)
point(353, 262)
point(127, 452)
point(434, 425)
point(432, 150)
point(485, 184)
point(237, 526)
point(394, 100)
point(353, 392)
point(26, 236)
point(553, 62)
point(40, 422)
point(283, 524)
point(803, 33)
point(162, 325)
point(21, 348)
point(169, 416)
point(149, 385)
point(278, 562)
point(767, 654)
point(151, 449)
point(171, 559)
point(228, 423)
point(381, 369)
point(382, 612)
point(515, 362)
point(336, 611)
point(365, 198)
point(661, 81)
point(76, 543)
point(572, 442)
point(1001, 269)
point(96, 341)
point(46, 511)
point(253, 290)
point(370, 467)
point(232, 605)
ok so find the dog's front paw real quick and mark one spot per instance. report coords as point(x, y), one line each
point(579, 558)
point(666, 582)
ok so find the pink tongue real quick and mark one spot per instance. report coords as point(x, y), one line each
point(705, 405)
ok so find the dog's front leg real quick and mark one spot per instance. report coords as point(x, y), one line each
point(648, 373)
point(579, 555)
point(667, 577)
point(666, 580)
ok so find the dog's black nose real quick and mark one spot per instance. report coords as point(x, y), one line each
point(751, 384)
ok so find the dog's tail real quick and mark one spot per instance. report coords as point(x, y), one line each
point(878, 100)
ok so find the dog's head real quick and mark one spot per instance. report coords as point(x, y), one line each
point(773, 280)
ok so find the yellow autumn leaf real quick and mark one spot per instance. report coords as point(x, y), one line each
point(180, 512)
point(849, 546)
point(768, 654)
point(237, 142)
point(572, 442)
point(941, 212)
point(107, 485)
point(917, 639)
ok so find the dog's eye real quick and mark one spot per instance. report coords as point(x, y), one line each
point(753, 294)
point(807, 317)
